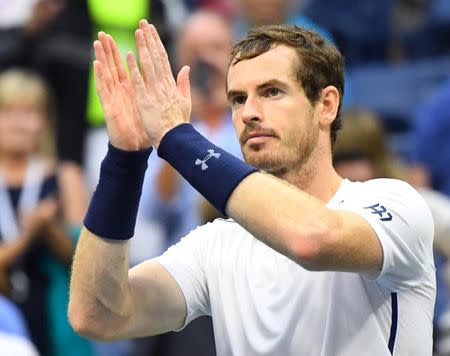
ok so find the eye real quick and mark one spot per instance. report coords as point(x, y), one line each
point(273, 92)
point(238, 100)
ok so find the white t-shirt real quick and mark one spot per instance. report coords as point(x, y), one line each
point(263, 303)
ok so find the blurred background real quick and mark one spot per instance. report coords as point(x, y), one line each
point(53, 138)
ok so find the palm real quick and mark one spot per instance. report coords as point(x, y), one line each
point(117, 97)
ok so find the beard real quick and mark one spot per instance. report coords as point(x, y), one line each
point(291, 153)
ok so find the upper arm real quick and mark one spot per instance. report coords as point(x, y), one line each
point(169, 291)
point(382, 228)
point(349, 244)
point(156, 301)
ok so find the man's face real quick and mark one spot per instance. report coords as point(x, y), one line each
point(274, 120)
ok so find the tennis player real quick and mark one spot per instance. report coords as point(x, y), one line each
point(307, 263)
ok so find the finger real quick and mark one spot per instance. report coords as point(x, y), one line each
point(122, 74)
point(143, 24)
point(104, 39)
point(136, 78)
point(163, 57)
point(145, 60)
point(102, 89)
point(183, 83)
point(153, 51)
point(102, 62)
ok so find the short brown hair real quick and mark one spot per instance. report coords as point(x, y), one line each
point(320, 62)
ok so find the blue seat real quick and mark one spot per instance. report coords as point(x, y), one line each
point(395, 90)
point(361, 28)
point(438, 12)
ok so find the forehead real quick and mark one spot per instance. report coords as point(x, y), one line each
point(277, 63)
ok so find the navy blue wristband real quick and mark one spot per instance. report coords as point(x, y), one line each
point(212, 171)
point(114, 204)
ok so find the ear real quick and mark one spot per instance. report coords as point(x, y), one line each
point(329, 98)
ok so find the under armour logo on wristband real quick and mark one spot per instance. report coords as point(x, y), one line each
point(203, 161)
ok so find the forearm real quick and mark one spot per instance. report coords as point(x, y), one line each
point(286, 218)
point(99, 298)
point(303, 228)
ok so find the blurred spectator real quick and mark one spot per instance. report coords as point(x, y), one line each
point(14, 337)
point(267, 12)
point(420, 28)
point(361, 153)
point(37, 234)
point(430, 137)
point(54, 39)
point(362, 28)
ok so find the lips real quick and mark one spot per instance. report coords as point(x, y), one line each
point(250, 135)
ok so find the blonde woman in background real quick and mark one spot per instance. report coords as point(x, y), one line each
point(41, 208)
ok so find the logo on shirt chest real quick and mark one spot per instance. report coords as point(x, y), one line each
point(381, 211)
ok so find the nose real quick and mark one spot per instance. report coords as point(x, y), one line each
point(251, 111)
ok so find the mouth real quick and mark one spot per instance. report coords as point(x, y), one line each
point(255, 137)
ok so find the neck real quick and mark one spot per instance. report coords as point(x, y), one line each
point(14, 166)
point(14, 159)
point(316, 176)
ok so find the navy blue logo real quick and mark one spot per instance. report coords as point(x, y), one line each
point(381, 211)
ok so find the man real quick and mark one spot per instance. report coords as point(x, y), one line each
point(308, 264)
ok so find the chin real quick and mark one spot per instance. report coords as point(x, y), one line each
point(264, 161)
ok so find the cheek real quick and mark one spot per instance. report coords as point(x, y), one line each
point(238, 124)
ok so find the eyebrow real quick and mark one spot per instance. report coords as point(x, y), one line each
point(270, 83)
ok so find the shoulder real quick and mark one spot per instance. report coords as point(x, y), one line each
point(404, 225)
point(219, 228)
point(396, 206)
point(381, 184)
point(386, 188)
point(395, 195)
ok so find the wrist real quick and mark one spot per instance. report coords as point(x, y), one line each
point(113, 209)
point(164, 133)
point(209, 169)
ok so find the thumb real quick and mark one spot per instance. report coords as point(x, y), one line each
point(183, 84)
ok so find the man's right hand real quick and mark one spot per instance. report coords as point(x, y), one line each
point(116, 93)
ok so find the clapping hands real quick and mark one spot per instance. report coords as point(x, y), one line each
point(141, 106)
